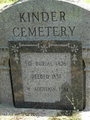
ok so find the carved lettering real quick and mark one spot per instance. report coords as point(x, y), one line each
point(16, 32)
point(42, 16)
point(62, 16)
point(45, 76)
point(28, 63)
point(53, 16)
point(32, 32)
point(48, 89)
point(35, 17)
point(22, 17)
point(40, 31)
point(72, 30)
point(56, 76)
point(39, 76)
point(43, 31)
point(45, 16)
point(65, 89)
point(44, 73)
point(23, 32)
point(45, 63)
point(48, 30)
point(63, 31)
point(60, 63)
point(55, 31)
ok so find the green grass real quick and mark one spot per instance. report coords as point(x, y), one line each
point(75, 116)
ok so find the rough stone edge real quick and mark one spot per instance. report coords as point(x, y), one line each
point(80, 4)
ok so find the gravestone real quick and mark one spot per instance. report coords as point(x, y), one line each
point(46, 66)
point(47, 42)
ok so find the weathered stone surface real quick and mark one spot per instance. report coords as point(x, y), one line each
point(72, 24)
point(44, 74)
point(43, 21)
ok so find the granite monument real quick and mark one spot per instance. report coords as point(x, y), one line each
point(45, 54)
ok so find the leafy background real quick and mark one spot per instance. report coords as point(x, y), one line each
point(6, 1)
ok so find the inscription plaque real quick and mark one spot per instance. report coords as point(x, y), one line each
point(46, 73)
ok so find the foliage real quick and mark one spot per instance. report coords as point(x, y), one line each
point(7, 1)
point(86, 1)
point(74, 117)
point(72, 101)
point(54, 118)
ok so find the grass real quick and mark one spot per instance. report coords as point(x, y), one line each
point(66, 115)
point(75, 116)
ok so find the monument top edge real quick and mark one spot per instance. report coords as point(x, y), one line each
point(80, 4)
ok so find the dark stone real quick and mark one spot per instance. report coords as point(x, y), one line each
point(69, 87)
